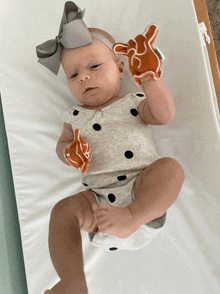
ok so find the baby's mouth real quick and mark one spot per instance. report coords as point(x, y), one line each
point(88, 89)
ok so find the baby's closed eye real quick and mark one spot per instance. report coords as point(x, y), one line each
point(74, 75)
point(95, 66)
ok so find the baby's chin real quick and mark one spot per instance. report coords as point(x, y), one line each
point(100, 104)
point(93, 106)
point(96, 98)
point(94, 103)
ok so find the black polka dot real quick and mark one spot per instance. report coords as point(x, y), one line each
point(134, 112)
point(111, 197)
point(85, 184)
point(75, 112)
point(122, 178)
point(113, 248)
point(97, 127)
point(140, 95)
point(129, 154)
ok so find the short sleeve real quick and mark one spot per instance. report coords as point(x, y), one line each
point(137, 97)
point(65, 117)
point(69, 115)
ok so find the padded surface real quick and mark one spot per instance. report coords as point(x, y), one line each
point(184, 257)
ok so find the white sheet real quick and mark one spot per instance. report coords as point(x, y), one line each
point(184, 257)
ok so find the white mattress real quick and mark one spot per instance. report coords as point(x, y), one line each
point(184, 257)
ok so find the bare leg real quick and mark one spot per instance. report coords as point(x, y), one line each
point(156, 188)
point(68, 217)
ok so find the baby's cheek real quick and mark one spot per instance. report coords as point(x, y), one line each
point(96, 76)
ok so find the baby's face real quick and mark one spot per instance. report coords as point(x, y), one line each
point(93, 66)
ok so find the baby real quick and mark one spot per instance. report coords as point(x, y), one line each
point(129, 187)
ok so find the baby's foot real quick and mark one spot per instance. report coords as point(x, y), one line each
point(69, 287)
point(114, 220)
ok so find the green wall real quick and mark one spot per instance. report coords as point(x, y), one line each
point(12, 272)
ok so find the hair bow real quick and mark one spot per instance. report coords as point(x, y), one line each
point(73, 33)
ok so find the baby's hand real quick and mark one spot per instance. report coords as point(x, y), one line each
point(144, 60)
point(114, 220)
point(78, 152)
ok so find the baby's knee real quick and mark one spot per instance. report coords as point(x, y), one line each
point(68, 207)
point(175, 169)
point(79, 207)
point(170, 169)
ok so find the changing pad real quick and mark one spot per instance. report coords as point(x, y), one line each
point(184, 256)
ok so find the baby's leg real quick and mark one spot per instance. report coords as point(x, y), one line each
point(68, 217)
point(156, 188)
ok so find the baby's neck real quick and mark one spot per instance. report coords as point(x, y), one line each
point(99, 107)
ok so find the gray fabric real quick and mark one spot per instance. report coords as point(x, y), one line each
point(119, 132)
point(158, 222)
point(73, 33)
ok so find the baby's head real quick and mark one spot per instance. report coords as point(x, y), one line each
point(93, 66)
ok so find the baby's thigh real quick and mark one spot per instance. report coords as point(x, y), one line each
point(88, 223)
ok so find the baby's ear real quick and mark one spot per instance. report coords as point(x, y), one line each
point(120, 48)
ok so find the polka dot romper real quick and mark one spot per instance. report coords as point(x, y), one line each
point(122, 147)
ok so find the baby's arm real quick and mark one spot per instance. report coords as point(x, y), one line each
point(66, 138)
point(158, 108)
point(145, 66)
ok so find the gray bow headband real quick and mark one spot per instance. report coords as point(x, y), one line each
point(73, 33)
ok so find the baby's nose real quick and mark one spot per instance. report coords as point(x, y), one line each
point(84, 76)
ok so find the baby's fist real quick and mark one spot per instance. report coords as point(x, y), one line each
point(78, 152)
point(144, 60)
